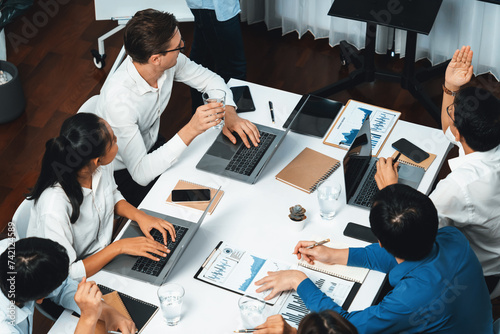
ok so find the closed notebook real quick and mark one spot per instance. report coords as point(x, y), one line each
point(307, 170)
point(112, 299)
point(423, 164)
point(196, 205)
point(355, 274)
point(139, 311)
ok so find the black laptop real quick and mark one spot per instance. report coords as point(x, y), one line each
point(360, 169)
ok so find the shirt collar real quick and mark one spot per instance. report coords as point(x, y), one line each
point(96, 178)
point(142, 85)
point(466, 158)
point(401, 270)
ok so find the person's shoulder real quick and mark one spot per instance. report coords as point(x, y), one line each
point(51, 197)
point(451, 234)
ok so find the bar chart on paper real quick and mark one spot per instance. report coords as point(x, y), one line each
point(237, 270)
point(345, 129)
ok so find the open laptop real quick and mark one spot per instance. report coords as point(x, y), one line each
point(156, 272)
point(360, 169)
point(238, 162)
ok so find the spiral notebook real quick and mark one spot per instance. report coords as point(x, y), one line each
point(355, 274)
point(424, 164)
point(307, 170)
point(112, 299)
point(181, 184)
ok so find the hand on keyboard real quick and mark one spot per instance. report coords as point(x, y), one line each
point(387, 173)
point(243, 127)
point(142, 246)
point(147, 223)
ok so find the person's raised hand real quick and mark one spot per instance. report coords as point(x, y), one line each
point(88, 298)
point(459, 70)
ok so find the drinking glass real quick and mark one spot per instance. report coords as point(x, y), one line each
point(215, 95)
point(171, 295)
point(251, 311)
point(328, 199)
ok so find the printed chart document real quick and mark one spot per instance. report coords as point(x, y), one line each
point(236, 270)
point(345, 129)
point(341, 291)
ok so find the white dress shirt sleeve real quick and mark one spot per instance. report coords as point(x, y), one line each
point(64, 295)
point(143, 167)
point(451, 203)
point(56, 227)
point(200, 78)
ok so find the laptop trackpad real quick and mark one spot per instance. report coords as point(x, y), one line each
point(223, 148)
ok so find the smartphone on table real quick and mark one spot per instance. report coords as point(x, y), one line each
point(190, 195)
point(412, 151)
point(360, 232)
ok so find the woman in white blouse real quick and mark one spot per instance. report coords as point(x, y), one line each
point(76, 199)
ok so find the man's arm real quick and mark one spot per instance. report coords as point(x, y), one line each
point(458, 73)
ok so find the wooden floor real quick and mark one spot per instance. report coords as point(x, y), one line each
point(58, 75)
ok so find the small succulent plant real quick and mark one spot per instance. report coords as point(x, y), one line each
point(297, 213)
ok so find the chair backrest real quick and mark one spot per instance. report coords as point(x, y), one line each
point(22, 217)
point(89, 105)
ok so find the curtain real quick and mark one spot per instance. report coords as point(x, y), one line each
point(459, 22)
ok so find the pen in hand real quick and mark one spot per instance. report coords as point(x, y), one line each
point(272, 111)
point(244, 330)
point(396, 158)
point(319, 243)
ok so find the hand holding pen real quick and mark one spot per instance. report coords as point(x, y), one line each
point(310, 251)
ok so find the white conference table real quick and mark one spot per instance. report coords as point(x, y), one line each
point(254, 218)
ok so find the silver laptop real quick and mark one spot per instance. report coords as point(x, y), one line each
point(360, 169)
point(145, 269)
point(238, 162)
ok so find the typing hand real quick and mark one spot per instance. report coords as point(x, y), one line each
point(278, 281)
point(387, 173)
point(275, 324)
point(244, 128)
point(147, 223)
point(142, 246)
point(459, 70)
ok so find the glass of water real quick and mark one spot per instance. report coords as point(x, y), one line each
point(328, 199)
point(215, 95)
point(251, 311)
point(171, 295)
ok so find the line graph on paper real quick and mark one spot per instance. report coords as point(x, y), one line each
point(346, 128)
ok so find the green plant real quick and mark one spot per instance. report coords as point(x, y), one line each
point(297, 213)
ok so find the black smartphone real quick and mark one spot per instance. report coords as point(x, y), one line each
point(412, 151)
point(191, 195)
point(360, 232)
point(243, 99)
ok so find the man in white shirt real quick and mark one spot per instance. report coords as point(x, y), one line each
point(135, 96)
point(469, 197)
point(33, 269)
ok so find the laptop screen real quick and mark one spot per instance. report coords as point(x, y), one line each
point(357, 158)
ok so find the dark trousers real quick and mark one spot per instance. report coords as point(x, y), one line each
point(133, 192)
point(217, 46)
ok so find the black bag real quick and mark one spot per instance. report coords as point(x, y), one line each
point(11, 9)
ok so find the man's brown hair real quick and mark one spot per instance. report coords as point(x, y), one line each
point(147, 33)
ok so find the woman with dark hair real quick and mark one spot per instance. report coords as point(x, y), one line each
point(324, 322)
point(76, 198)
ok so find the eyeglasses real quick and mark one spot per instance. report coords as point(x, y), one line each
point(181, 49)
point(448, 108)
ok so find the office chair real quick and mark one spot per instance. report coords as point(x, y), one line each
point(89, 105)
point(21, 219)
point(496, 292)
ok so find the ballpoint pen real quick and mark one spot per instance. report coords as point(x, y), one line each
point(272, 111)
point(244, 330)
point(319, 243)
point(396, 158)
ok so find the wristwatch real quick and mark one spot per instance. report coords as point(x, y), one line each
point(449, 92)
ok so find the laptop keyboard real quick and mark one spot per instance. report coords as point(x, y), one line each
point(245, 159)
point(150, 267)
point(368, 190)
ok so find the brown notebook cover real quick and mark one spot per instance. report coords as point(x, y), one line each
point(424, 164)
point(307, 170)
point(112, 299)
point(196, 205)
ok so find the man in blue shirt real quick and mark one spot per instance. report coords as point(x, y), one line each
point(437, 281)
